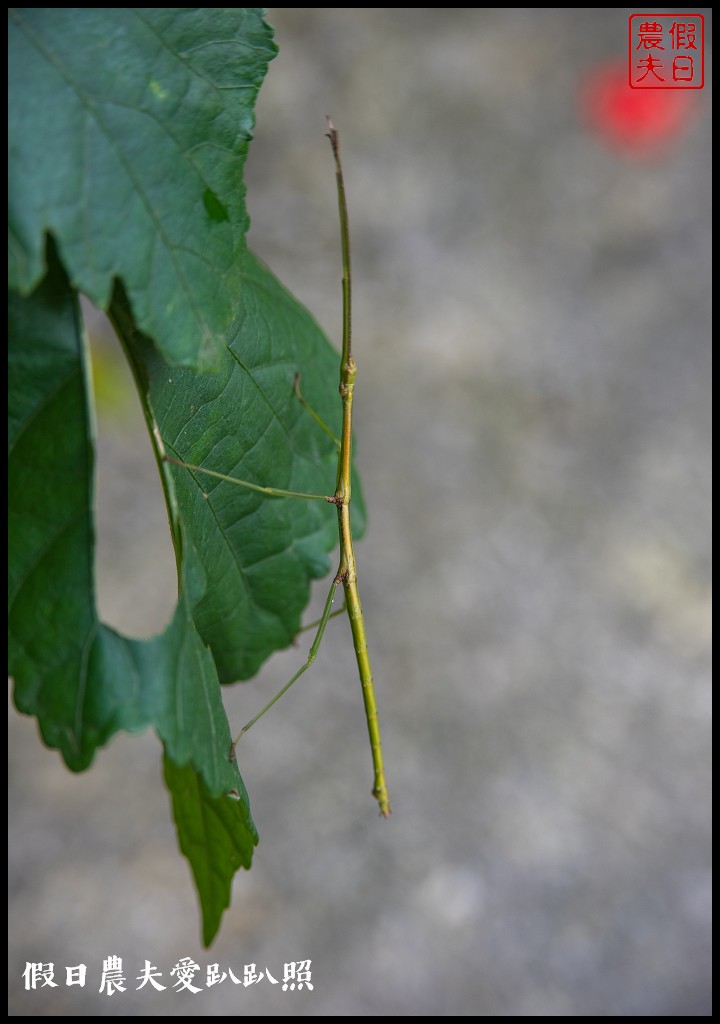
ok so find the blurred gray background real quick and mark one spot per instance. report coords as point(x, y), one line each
point(533, 340)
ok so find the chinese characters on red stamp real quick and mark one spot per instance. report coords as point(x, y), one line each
point(667, 51)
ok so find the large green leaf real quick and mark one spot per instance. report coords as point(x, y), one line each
point(244, 560)
point(128, 134)
point(129, 129)
point(81, 679)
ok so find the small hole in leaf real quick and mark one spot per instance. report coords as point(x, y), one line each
point(135, 577)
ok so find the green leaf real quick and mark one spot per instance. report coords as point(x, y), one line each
point(129, 129)
point(213, 835)
point(245, 560)
point(81, 679)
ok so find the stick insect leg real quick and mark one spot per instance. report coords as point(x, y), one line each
point(306, 405)
point(310, 659)
point(271, 492)
point(313, 625)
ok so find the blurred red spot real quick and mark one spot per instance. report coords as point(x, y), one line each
point(640, 122)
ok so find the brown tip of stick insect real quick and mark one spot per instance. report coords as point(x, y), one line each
point(332, 134)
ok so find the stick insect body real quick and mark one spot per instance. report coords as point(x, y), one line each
point(347, 572)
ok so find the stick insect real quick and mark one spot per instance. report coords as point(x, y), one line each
point(347, 571)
